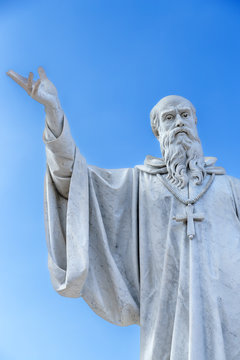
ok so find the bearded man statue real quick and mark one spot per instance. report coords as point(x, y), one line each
point(157, 245)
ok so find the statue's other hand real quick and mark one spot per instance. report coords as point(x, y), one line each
point(41, 90)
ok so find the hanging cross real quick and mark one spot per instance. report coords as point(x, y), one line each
point(189, 219)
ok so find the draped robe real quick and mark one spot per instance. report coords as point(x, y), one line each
point(112, 239)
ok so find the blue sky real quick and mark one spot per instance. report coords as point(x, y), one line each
point(111, 62)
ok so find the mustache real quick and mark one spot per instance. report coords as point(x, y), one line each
point(182, 130)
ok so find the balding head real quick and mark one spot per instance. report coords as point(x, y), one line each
point(166, 104)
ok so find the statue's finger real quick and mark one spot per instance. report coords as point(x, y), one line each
point(20, 80)
point(30, 82)
point(35, 87)
point(42, 73)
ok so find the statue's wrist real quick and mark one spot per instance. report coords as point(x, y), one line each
point(54, 117)
point(53, 107)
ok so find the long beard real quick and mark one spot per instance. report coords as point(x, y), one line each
point(183, 157)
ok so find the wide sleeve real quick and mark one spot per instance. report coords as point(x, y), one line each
point(60, 153)
point(112, 285)
point(92, 238)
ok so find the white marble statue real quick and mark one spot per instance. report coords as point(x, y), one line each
point(157, 245)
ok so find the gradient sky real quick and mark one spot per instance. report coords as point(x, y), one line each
point(111, 61)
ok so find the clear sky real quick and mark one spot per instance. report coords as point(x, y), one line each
point(111, 62)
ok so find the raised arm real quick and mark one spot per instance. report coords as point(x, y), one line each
point(60, 147)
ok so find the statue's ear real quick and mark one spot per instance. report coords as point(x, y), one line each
point(195, 120)
point(154, 122)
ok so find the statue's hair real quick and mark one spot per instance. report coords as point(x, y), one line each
point(154, 115)
point(154, 121)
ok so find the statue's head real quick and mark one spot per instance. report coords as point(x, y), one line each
point(174, 123)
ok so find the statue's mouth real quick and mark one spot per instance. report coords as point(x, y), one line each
point(181, 131)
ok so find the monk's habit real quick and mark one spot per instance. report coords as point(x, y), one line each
point(113, 240)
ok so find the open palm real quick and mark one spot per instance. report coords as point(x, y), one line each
point(41, 90)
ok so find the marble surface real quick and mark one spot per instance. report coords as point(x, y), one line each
point(113, 238)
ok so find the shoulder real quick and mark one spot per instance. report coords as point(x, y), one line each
point(106, 173)
point(233, 180)
point(114, 177)
point(227, 182)
point(233, 186)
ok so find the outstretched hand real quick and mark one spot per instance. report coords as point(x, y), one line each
point(41, 90)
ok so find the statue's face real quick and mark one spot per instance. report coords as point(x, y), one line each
point(176, 116)
point(174, 122)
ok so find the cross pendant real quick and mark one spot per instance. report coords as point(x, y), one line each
point(189, 218)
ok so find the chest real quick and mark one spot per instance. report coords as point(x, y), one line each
point(163, 214)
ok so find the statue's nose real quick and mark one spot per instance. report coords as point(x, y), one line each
point(179, 122)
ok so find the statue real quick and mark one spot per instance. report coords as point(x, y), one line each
point(157, 245)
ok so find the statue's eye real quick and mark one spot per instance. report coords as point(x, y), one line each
point(169, 117)
point(185, 114)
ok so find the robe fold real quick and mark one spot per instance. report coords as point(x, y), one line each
point(112, 240)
